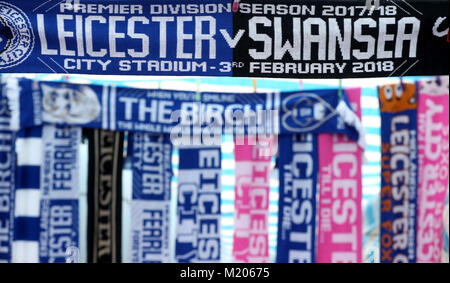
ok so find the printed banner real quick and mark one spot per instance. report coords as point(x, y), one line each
point(7, 175)
point(59, 222)
point(199, 205)
point(340, 210)
point(298, 163)
point(399, 177)
point(251, 226)
point(264, 38)
point(105, 196)
point(150, 205)
point(181, 113)
point(344, 39)
point(433, 138)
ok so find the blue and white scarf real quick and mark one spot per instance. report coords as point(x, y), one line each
point(298, 165)
point(28, 196)
point(7, 182)
point(150, 206)
point(59, 222)
point(199, 205)
point(171, 112)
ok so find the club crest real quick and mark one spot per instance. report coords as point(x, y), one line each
point(306, 112)
point(16, 36)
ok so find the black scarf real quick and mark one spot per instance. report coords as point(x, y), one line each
point(105, 196)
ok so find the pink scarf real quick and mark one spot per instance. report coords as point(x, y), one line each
point(433, 138)
point(340, 211)
point(253, 170)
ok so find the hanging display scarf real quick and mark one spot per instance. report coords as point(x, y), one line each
point(135, 110)
point(399, 172)
point(340, 209)
point(27, 196)
point(199, 204)
point(263, 38)
point(298, 165)
point(253, 172)
point(150, 205)
point(105, 196)
point(59, 221)
point(433, 138)
point(7, 175)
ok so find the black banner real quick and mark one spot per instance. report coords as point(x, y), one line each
point(341, 39)
point(105, 196)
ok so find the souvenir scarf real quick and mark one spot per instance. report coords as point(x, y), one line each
point(59, 219)
point(433, 138)
point(183, 112)
point(199, 204)
point(399, 173)
point(7, 175)
point(253, 171)
point(105, 196)
point(150, 205)
point(340, 209)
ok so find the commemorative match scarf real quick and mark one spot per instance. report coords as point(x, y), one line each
point(433, 138)
point(253, 172)
point(199, 204)
point(59, 219)
point(261, 38)
point(150, 205)
point(172, 112)
point(399, 177)
point(105, 196)
point(7, 182)
point(340, 208)
point(298, 163)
